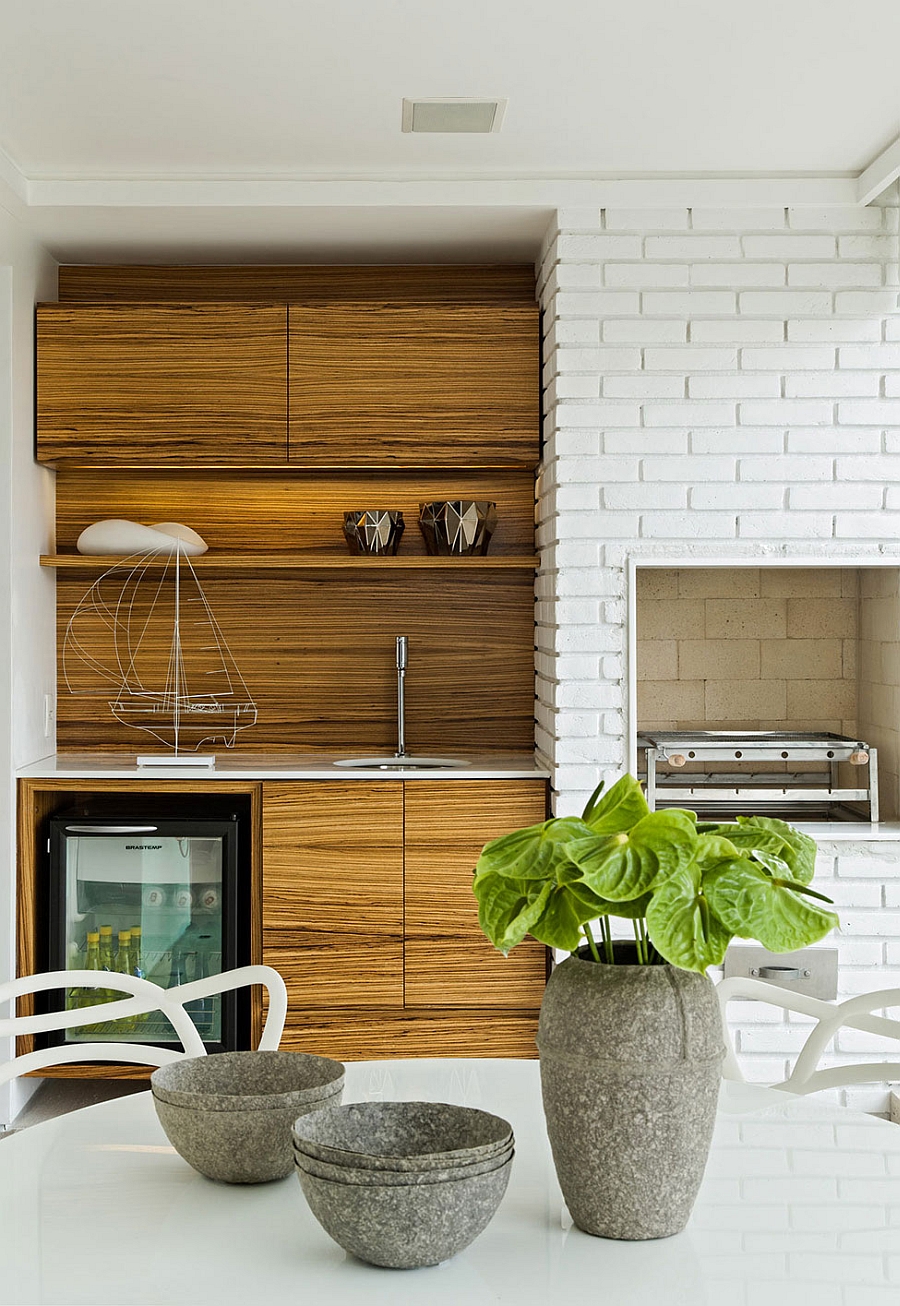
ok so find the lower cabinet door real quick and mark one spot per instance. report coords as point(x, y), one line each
point(449, 962)
point(332, 911)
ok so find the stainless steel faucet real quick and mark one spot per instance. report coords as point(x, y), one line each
point(402, 657)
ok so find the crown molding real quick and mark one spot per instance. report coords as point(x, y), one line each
point(13, 185)
point(882, 172)
point(416, 190)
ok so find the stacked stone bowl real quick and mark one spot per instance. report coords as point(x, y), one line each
point(403, 1184)
point(229, 1115)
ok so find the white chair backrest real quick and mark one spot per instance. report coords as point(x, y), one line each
point(855, 1013)
point(147, 997)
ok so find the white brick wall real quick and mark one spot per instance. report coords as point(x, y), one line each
point(713, 379)
point(718, 384)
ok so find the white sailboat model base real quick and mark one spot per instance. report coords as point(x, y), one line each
point(167, 660)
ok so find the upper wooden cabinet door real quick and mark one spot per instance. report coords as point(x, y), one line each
point(155, 384)
point(441, 385)
point(449, 962)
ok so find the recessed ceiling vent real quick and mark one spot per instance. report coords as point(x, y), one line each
point(453, 115)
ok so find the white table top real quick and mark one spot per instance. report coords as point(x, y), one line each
point(800, 1206)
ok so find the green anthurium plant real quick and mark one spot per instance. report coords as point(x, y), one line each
point(688, 887)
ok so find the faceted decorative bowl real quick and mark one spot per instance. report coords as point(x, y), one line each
point(229, 1115)
point(374, 531)
point(457, 526)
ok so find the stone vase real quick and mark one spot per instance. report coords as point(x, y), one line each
point(630, 1068)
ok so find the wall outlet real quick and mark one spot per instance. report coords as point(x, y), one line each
point(812, 971)
point(49, 715)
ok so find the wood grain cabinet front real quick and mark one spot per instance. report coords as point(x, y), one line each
point(369, 914)
point(162, 384)
point(332, 911)
point(448, 961)
point(414, 384)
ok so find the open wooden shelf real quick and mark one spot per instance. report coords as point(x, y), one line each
point(295, 562)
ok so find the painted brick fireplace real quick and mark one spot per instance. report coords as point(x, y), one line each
point(721, 387)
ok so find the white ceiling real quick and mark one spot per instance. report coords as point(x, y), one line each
point(179, 92)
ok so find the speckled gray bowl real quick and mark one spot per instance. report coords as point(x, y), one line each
point(345, 1174)
point(403, 1226)
point(402, 1135)
point(229, 1115)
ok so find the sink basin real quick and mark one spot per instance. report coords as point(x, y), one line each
point(392, 763)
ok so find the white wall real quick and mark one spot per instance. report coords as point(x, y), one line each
point(719, 385)
point(27, 634)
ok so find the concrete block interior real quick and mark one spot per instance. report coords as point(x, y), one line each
point(773, 648)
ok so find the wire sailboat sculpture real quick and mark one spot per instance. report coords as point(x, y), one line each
point(145, 629)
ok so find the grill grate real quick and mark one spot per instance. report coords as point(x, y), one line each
point(805, 775)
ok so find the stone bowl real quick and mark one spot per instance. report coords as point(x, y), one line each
point(229, 1115)
point(345, 1174)
point(403, 1136)
point(403, 1226)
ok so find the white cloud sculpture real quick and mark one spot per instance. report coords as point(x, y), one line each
point(119, 537)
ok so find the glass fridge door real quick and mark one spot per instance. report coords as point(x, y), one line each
point(149, 899)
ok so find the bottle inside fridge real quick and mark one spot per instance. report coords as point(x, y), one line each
point(160, 896)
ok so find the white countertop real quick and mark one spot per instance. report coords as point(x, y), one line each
point(800, 1204)
point(279, 766)
point(850, 831)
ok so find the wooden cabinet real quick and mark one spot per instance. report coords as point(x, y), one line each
point(359, 893)
point(345, 384)
point(147, 384)
point(369, 914)
point(407, 384)
point(448, 961)
point(333, 892)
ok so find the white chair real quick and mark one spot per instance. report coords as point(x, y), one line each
point(855, 1013)
point(147, 997)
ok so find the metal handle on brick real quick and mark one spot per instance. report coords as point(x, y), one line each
point(791, 973)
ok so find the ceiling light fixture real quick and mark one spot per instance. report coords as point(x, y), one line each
point(461, 115)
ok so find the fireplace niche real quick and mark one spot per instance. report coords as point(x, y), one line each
point(812, 648)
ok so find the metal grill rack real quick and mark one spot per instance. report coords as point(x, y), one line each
point(720, 773)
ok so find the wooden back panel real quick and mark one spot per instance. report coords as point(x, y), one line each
point(317, 656)
point(316, 649)
point(302, 283)
point(288, 512)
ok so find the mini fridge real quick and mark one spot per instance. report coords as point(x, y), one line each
point(157, 898)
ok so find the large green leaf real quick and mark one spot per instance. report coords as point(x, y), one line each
point(550, 910)
point(755, 905)
point(774, 865)
point(597, 906)
point(618, 810)
point(624, 866)
point(798, 850)
point(559, 925)
point(713, 848)
point(746, 839)
point(680, 924)
point(532, 853)
point(507, 909)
